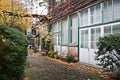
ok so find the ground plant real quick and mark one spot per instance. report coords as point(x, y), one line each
point(70, 58)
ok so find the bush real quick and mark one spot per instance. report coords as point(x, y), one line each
point(70, 58)
point(52, 53)
point(35, 49)
point(108, 53)
point(13, 51)
point(51, 47)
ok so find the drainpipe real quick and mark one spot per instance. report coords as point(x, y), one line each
point(68, 32)
point(78, 34)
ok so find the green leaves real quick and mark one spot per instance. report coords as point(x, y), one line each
point(109, 52)
point(13, 51)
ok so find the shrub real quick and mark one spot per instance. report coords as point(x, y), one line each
point(13, 51)
point(51, 47)
point(35, 49)
point(70, 58)
point(108, 53)
point(52, 53)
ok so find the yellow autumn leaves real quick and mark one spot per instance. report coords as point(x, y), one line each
point(18, 8)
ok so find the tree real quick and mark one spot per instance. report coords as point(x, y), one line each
point(6, 14)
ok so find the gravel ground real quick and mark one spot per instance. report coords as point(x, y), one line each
point(44, 68)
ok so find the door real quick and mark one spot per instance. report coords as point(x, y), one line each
point(87, 44)
point(95, 33)
point(84, 52)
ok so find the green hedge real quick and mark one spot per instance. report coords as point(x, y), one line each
point(13, 51)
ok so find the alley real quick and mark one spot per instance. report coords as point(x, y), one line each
point(43, 68)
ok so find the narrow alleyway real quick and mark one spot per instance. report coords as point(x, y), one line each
point(43, 68)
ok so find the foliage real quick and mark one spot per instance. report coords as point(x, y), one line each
point(52, 53)
point(45, 44)
point(13, 51)
point(42, 44)
point(108, 54)
point(51, 47)
point(6, 17)
point(70, 58)
point(35, 49)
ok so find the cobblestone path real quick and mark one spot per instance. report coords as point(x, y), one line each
point(43, 68)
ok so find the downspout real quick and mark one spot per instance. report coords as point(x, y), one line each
point(68, 32)
point(78, 13)
point(61, 37)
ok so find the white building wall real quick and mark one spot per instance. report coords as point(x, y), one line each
point(99, 20)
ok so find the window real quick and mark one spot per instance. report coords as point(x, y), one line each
point(84, 39)
point(95, 34)
point(59, 33)
point(95, 14)
point(55, 39)
point(55, 35)
point(108, 10)
point(84, 17)
point(56, 31)
point(59, 39)
point(64, 32)
point(112, 29)
point(73, 29)
point(107, 30)
point(116, 29)
point(111, 10)
point(116, 4)
point(91, 15)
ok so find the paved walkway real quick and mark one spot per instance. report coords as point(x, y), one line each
point(44, 68)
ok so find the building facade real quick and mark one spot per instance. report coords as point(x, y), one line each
point(78, 24)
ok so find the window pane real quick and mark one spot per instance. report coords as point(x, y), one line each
point(59, 39)
point(86, 32)
point(116, 29)
point(92, 45)
point(82, 32)
point(59, 26)
point(86, 44)
point(98, 31)
point(107, 30)
point(84, 39)
point(95, 14)
point(84, 17)
point(64, 32)
point(92, 13)
point(98, 15)
point(108, 10)
point(82, 44)
point(74, 30)
point(95, 34)
point(92, 31)
point(92, 37)
point(116, 4)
